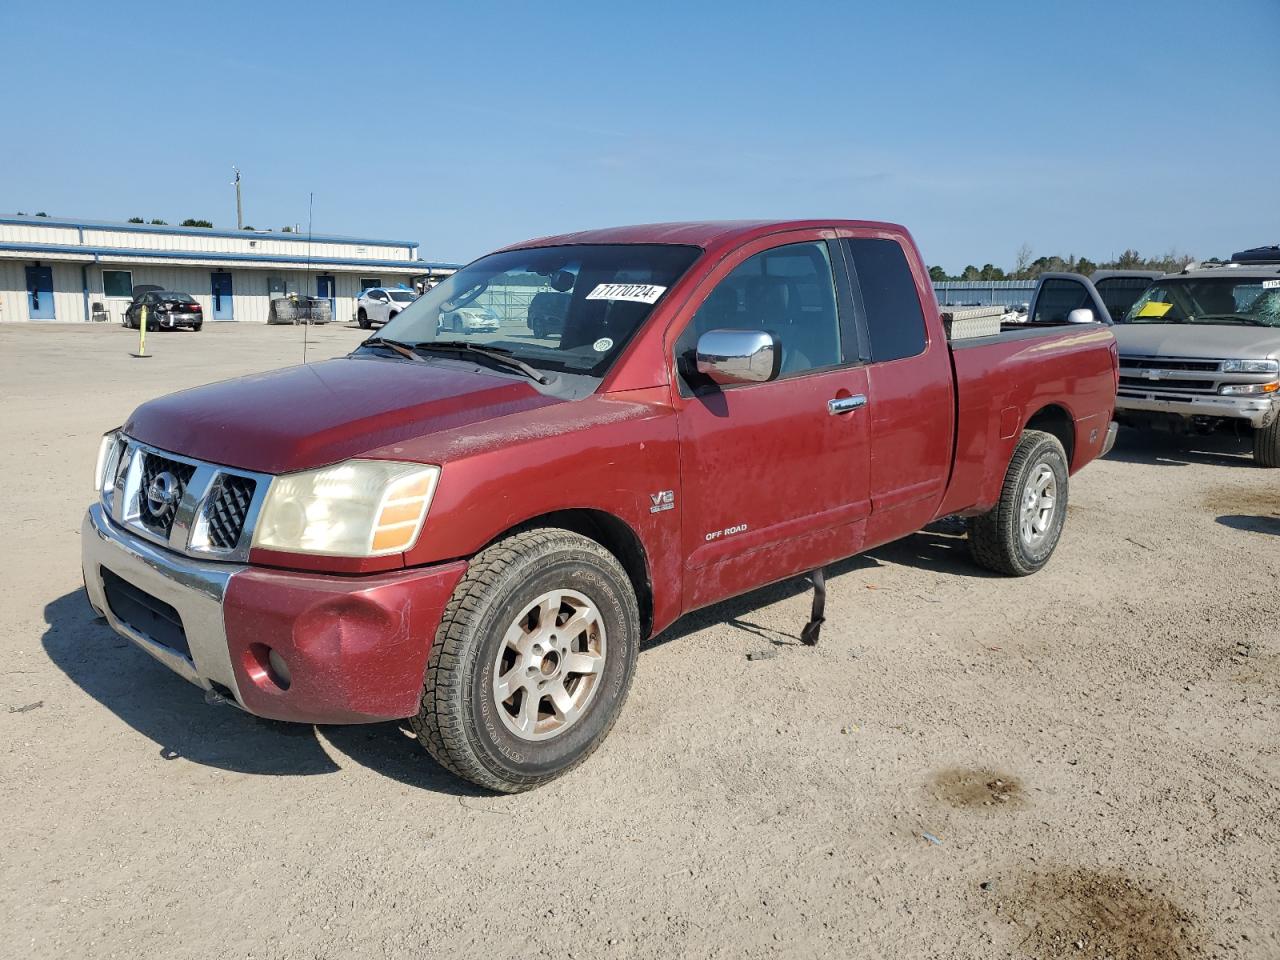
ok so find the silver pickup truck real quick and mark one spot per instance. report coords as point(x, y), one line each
point(1200, 349)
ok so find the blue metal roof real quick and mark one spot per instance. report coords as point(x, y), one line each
point(193, 231)
point(35, 249)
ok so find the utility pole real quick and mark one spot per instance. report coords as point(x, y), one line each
point(239, 208)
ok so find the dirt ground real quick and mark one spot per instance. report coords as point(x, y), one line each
point(1083, 763)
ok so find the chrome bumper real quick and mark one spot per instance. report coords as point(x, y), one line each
point(1258, 411)
point(194, 588)
point(1112, 429)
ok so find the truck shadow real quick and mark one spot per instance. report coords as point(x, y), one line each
point(939, 548)
point(172, 713)
point(1165, 450)
point(1250, 524)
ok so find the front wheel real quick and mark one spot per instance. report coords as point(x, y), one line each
point(362, 318)
point(1018, 535)
point(532, 661)
point(1266, 444)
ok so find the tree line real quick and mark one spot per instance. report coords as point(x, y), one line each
point(1027, 268)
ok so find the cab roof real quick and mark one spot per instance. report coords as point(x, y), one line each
point(697, 233)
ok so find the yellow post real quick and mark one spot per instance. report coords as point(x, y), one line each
point(142, 332)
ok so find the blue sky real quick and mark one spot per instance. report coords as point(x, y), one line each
point(980, 126)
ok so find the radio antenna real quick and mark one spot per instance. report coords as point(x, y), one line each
point(311, 202)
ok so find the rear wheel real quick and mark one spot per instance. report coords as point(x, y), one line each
point(532, 661)
point(197, 327)
point(362, 318)
point(1266, 444)
point(1019, 534)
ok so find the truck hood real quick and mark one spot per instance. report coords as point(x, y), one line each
point(1199, 341)
point(319, 413)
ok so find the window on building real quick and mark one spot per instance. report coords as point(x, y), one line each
point(891, 305)
point(117, 283)
point(368, 283)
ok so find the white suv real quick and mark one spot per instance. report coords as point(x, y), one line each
point(380, 304)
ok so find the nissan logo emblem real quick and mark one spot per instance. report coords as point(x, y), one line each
point(162, 494)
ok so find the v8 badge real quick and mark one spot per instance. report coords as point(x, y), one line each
point(662, 500)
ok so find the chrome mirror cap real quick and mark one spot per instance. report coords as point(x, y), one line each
point(1080, 315)
point(739, 356)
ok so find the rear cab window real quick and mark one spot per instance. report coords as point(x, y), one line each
point(885, 296)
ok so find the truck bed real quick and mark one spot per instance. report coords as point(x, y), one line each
point(996, 399)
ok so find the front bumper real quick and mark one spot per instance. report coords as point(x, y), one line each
point(1259, 411)
point(355, 648)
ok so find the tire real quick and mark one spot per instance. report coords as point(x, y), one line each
point(463, 724)
point(362, 318)
point(1266, 444)
point(999, 540)
point(197, 327)
point(539, 330)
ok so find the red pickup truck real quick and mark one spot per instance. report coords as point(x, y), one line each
point(477, 531)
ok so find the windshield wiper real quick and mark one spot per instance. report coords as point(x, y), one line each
point(404, 349)
point(499, 355)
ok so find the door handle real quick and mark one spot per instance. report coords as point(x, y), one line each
point(846, 404)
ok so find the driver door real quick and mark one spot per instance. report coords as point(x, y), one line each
point(774, 475)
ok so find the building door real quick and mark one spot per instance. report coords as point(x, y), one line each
point(40, 293)
point(324, 288)
point(223, 301)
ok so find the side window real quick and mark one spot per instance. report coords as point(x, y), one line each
point(883, 283)
point(1120, 293)
point(1058, 297)
point(787, 291)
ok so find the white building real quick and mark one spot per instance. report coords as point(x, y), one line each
point(85, 270)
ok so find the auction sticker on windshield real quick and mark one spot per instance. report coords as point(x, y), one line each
point(635, 292)
point(1270, 284)
point(1154, 308)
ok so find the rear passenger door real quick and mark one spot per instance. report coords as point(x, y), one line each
point(773, 475)
point(911, 405)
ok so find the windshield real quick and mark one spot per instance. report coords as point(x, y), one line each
point(560, 309)
point(402, 296)
point(1249, 301)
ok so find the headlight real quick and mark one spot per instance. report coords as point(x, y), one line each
point(1251, 366)
point(1235, 389)
point(358, 508)
point(108, 454)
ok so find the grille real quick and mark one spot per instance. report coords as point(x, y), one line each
point(1160, 363)
point(148, 615)
point(1204, 386)
point(155, 515)
point(227, 509)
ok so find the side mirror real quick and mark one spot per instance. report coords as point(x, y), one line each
point(739, 356)
point(1080, 315)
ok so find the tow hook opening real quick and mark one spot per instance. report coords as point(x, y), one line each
point(267, 668)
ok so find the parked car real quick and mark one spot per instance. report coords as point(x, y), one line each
point(166, 310)
point(1200, 351)
point(469, 319)
point(299, 308)
point(547, 313)
point(380, 304)
point(477, 535)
